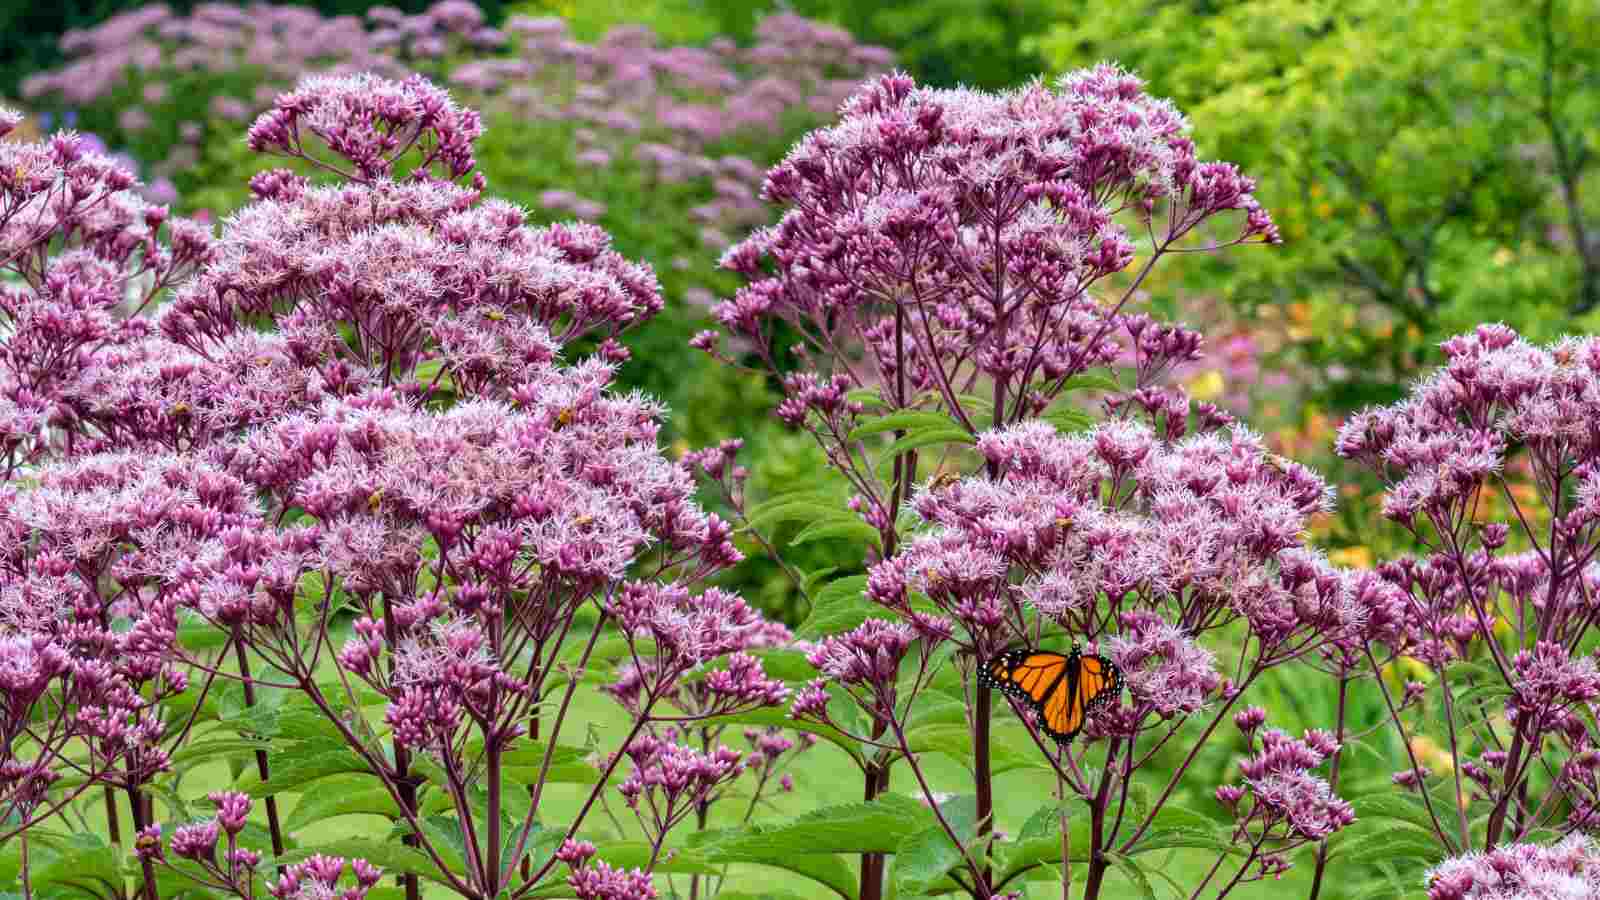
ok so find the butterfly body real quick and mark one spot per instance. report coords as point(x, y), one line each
point(1062, 688)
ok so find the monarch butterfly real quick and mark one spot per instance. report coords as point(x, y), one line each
point(1061, 688)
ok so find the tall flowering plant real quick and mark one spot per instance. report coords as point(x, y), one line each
point(88, 597)
point(341, 468)
point(1497, 609)
point(948, 273)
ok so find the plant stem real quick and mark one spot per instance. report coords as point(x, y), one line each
point(1066, 838)
point(1097, 828)
point(876, 780)
point(984, 778)
point(402, 764)
point(112, 824)
point(1333, 784)
point(261, 755)
point(139, 822)
point(492, 762)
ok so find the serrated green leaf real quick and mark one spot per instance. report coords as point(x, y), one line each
point(955, 741)
point(840, 606)
point(799, 511)
point(1043, 844)
point(876, 826)
point(443, 833)
point(1178, 826)
point(680, 860)
point(828, 869)
point(1393, 805)
point(785, 665)
point(295, 769)
point(196, 634)
point(924, 858)
point(777, 717)
point(919, 439)
point(86, 862)
point(866, 397)
point(220, 748)
point(910, 421)
point(1091, 381)
point(1068, 420)
point(1135, 874)
point(1044, 822)
point(345, 796)
point(292, 723)
point(1390, 840)
point(808, 585)
point(850, 527)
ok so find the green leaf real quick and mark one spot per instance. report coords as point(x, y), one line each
point(1177, 826)
point(924, 858)
point(785, 665)
point(919, 439)
point(808, 586)
point(1135, 872)
point(797, 511)
point(291, 723)
point(1039, 842)
point(392, 856)
point(840, 606)
point(196, 634)
point(781, 719)
point(828, 869)
point(294, 769)
point(1068, 420)
point(1390, 840)
point(358, 795)
point(569, 765)
point(85, 862)
point(1395, 806)
point(1092, 381)
point(1045, 822)
point(841, 527)
point(223, 748)
point(877, 826)
point(426, 372)
point(680, 860)
point(445, 835)
point(866, 397)
point(909, 421)
point(955, 741)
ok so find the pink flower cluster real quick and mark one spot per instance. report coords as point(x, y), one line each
point(1143, 543)
point(85, 253)
point(1516, 594)
point(897, 214)
point(1284, 793)
point(317, 878)
point(356, 393)
point(1569, 868)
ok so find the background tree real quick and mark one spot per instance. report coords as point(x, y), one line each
point(1431, 161)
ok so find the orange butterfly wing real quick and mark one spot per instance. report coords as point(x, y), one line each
point(1061, 688)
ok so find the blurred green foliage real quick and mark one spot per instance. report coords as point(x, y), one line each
point(1429, 161)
